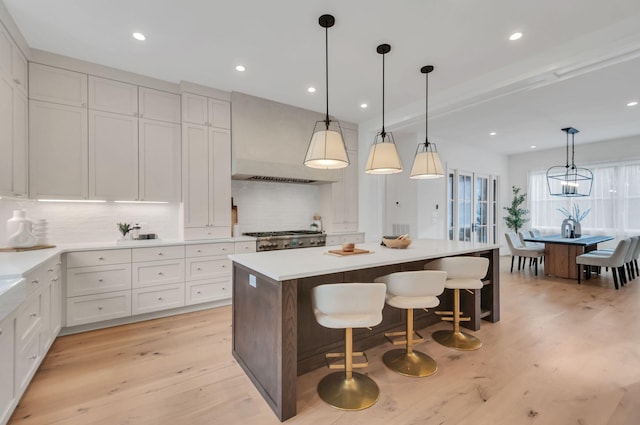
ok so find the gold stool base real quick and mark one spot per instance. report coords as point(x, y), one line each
point(356, 393)
point(457, 340)
point(414, 364)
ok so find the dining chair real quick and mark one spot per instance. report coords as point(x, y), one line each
point(518, 249)
point(615, 261)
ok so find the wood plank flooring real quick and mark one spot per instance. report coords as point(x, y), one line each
point(562, 354)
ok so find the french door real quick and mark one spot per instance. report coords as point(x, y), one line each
point(472, 206)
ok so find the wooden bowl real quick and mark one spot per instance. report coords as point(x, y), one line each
point(348, 247)
point(396, 243)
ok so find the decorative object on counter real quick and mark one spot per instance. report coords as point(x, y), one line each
point(517, 215)
point(13, 224)
point(135, 231)
point(400, 242)
point(326, 148)
point(383, 155)
point(317, 223)
point(348, 247)
point(40, 228)
point(426, 164)
point(569, 180)
point(124, 228)
point(343, 252)
point(28, 248)
point(574, 220)
point(22, 238)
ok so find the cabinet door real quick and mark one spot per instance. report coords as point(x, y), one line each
point(113, 156)
point(194, 109)
point(57, 85)
point(219, 113)
point(19, 69)
point(221, 172)
point(159, 105)
point(113, 96)
point(58, 151)
point(6, 136)
point(6, 44)
point(7, 393)
point(20, 145)
point(195, 175)
point(159, 173)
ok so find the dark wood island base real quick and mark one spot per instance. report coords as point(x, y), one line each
point(276, 336)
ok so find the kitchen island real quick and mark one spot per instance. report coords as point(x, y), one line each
point(275, 335)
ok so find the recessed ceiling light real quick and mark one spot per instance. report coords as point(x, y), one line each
point(363, 105)
point(532, 147)
point(515, 36)
point(493, 133)
point(634, 103)
point(240, 68)
point(311, 89)
point(139, 36)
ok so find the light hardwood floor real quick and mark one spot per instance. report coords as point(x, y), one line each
point(562, 354)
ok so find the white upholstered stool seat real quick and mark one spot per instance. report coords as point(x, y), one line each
point(409, 290)
point(347, 306)
point(462, 273)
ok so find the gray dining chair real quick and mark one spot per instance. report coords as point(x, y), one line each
point(518, 249)
point(615, 261)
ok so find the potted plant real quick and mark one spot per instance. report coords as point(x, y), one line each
point(517, 214)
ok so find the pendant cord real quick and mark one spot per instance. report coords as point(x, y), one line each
point(326, 61)
point(426, 113)
point(573, 164)
point(383, 132)
point(567, 157)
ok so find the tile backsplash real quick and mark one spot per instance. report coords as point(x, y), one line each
point(76, 222)
point(275, 206)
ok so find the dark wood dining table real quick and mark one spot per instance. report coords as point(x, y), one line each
point(560, 253)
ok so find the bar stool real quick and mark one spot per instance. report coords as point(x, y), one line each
point(347, 306)
point(462, 273)
point(409, 290)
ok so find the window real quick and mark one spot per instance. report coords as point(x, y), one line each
point(614, 201)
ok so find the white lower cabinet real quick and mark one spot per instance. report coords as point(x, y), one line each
point(339, 239)
point(7, 392)
point(153, 273)
point(164, 297)
point(98, 279)
point(96, 308)
point(200, 291)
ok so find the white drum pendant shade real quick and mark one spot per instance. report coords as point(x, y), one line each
point(326, 150)
point(426, 165)
point(383, 159)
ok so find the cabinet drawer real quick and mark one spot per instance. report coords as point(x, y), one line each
point(29, 318)
point(210, 232)
point(355, 238)
point(95, 308)
point(157, 253)
point(207, 249)
point(152, 273)
point(202, 291)
point(207, 267)
point(157, 298)
point(333, 240)
point(240, 247)
point(27, 360)
point(98, 279)
point(98, 258)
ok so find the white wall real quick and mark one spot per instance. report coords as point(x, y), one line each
point(76, 222)
point(266, 206)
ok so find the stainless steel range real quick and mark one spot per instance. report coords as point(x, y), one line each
point(288, 239)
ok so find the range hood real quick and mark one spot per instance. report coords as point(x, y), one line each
point(270, 140)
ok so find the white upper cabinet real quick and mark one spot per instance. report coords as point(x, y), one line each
point(113, 96)
point(159, 161)
point(57, 85)
point(113, 156)
point(13, 64)
point(206, 111)
point(195, 179)
point(58, 157)
point(221, 171)
point(159, 105)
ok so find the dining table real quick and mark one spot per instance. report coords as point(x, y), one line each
point(560, 253)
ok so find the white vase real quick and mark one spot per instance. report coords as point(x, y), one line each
point(13, 223)
point(22, 238)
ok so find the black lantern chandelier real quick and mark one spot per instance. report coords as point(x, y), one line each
point(326, 148)
point(569, 180)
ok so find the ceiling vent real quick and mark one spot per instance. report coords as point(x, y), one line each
point(280, 180)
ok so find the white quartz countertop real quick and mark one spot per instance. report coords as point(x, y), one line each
point(16, 264)
point(297, 263)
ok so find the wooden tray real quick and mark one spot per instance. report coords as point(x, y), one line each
point(354, 252)
point(30, 248)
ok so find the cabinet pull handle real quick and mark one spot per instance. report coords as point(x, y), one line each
point(198, 268)
point(160, 273)
point(100, 280)
point(160, 253)
point(197, 292)
point(101, 258)
point(99, 308)
point(159, 298)
point(33, 357)
point(50, 270)
point(224, 249)
point(33, 315)
point(198, 250)
point(35, 281)
point(17, 81)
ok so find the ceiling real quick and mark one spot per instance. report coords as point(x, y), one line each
point(576, 65)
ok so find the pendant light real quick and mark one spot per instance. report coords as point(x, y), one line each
point(426, 164)
point(383, 156)
point(326, 149)
point(569, 180)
